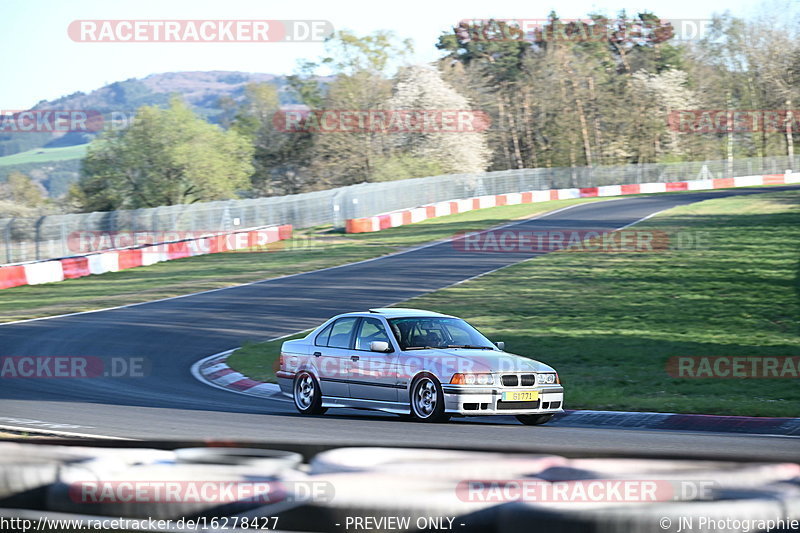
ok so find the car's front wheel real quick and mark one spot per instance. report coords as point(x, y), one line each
point(534, 420)
point(427, 400)
point(307, 395)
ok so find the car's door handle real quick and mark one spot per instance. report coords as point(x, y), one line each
point(354, 358)
point(317, 354)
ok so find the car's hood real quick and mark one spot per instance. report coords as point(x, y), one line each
point(454, 360)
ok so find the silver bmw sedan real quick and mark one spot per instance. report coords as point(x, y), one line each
point(416, 363)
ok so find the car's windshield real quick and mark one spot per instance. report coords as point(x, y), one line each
point(436, 332)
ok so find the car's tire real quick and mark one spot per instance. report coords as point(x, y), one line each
point(307, 395)
point(534, 420)
point(427, 400)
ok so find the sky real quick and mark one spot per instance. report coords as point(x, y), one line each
point(39, 61)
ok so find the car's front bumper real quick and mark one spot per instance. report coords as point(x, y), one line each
point(473, 400)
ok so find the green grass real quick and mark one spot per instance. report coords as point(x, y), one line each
point(309, 250)
point(608, 322)
point(44, 155)
point(258, 360)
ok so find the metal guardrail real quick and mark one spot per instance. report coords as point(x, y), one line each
point(52, 236)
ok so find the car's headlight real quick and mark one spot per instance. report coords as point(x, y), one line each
point(471, 379)
point(545, 378)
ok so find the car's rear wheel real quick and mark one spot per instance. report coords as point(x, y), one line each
point(427, 400)
point(307, 395)
point(534, 420)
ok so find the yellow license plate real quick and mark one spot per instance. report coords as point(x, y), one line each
point(521, 396)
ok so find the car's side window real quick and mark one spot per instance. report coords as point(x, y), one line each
point(371, 330)
point(341, 332)
point(324, 335)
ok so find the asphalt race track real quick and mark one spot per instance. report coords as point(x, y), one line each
point(173, 334)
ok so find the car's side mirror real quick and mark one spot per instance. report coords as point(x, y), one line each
point(501, 345)
point(379, 346)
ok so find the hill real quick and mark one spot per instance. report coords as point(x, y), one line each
point(53, 158)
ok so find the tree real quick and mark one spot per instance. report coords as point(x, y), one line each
point(495, 53)
point(774, 54)
point(404, 166)
point(21, 190)
point(656, 95)
point(360, 65)
point(280, 159)
point(167, 156)
point(561, 94)
point(422, 88)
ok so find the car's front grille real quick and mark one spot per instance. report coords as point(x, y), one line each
point(501, 405)
point(514, 380)
point(510, 380)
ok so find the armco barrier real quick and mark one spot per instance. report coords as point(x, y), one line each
point(44, 272)
point(178, 250)
point(152, 255)
point(75, 267)
point(113, 260)
point(12, 276)
point(104, 262)
point(129, 258)
point(451, 207)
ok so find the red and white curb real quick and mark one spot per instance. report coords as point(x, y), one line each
point(114, 260)
point(404, 217)
point(215, 372)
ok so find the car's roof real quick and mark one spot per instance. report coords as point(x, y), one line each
point(396, 312)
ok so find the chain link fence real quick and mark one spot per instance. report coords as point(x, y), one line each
point(47, 237)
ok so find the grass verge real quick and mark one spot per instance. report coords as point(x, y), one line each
point(44, 155)
point(309, 250)
point(608, 322)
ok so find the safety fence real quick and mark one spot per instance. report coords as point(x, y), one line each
point(49, 237)
point(438, 209)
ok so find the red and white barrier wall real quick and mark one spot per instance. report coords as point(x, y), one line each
point(418, 214)
point(121, 259)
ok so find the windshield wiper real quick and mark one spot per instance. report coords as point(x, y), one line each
point(448, 346)
point(421, 348)
point(469, 346)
